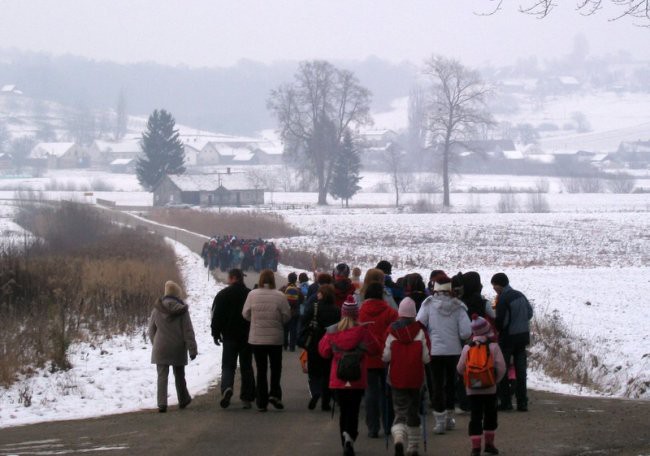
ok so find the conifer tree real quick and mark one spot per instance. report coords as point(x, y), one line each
point(162, 148)
point(346, 177)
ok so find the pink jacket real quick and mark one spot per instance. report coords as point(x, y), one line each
point(356, 337)
point(499, 366)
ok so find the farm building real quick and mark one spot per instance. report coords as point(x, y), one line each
point(207, 190)
point(123, 165)
point(121, 150)
point(64, 155)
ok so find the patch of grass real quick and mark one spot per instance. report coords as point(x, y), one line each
point(303, 259)
point(247, 225)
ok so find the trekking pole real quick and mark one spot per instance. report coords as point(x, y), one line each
point(386, 424)
point(423, 406)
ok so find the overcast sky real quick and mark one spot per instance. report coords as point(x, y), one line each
point(219, 33)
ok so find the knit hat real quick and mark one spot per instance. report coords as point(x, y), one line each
point(480, 326)
point(173, 289)
point(407, 308)
point(385, 266)
point(342, 269)
point(500, 279)
point(350, 308)
point(446, 286)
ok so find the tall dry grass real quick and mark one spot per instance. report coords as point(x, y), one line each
point(75, 285)
point(247, 225)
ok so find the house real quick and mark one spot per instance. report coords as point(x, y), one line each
point(492, 148)
point(123, 166)
point(109, 151)
point(62, 155)
point(222, 189)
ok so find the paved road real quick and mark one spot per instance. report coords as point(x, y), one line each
point(555, 425)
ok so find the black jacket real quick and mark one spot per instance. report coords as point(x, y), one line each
point(328, 315)
point(514, 313)
point(227, 320)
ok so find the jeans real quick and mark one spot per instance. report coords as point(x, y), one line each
point(483, 413)
point(349, 401)
point(379, 403)
point(179, 379)
point(406, 403)
point(231, 351)
point(444, 382)
point(291, 333)
point(517, 354)
point(265, 355)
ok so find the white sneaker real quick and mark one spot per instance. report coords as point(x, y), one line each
point(450, 421)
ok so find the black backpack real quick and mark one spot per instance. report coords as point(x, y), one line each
point(349, 367)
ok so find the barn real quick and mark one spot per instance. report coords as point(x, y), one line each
point(222, 189)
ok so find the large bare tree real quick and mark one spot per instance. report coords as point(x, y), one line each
point(313, 113)
point(635, 9)
point(457, 109)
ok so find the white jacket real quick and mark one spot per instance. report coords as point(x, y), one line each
point(447, 322)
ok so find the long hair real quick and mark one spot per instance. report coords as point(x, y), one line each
point(328, 292)
point(372, 275)
point(267, 277)
point(346, 323)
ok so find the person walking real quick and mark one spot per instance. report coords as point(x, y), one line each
point(407, 352)
point(446, 320)
point(348, 344)
point(513, 315)
point(295, 298)
point(482, 394)
point(318, 317)
point(378, 315)
point(268, 311)
point(172, 336)
point(230, 329)
point(342, 283)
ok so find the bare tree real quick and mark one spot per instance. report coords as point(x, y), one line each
point(121, 117)
point(635, 9)
point(394, 159)
point(313, 113)
point(457, 109)
point(417, 120)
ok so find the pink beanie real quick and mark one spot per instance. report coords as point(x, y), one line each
point(407, 308)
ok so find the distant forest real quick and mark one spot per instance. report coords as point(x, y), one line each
point(229, 99)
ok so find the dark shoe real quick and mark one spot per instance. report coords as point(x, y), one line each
point(325, 407)
point(348, 449)
point(312, 403)
point(275, 402)
point(162, 409)
point(247, 405)
point(183, 405)
point(399, 449)
point(491, 449)
point(373, 435)
point(225, 398)
point(504, 407)
point(475, 452)
point(262, 409)
point(522, 407)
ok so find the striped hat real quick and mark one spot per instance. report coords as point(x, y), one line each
point(350, 308)
point(480, 326)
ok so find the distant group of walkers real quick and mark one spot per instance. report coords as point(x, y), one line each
point(398, 346)
point(230, 252)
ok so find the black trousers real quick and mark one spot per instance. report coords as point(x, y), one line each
point(514, 354)
point(232, 350)
point(349, 401)
point(266, 355)
point(318, 370)
point(443, 369)
point(483, 413)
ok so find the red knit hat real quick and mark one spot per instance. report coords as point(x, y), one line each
point(350, 308)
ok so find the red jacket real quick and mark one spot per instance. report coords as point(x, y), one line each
point(356, 337)
point(342, 289)
point(407, 350)
point(379, 316)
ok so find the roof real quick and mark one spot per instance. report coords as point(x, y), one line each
point(210, 182)
point(55, 149)
point(122, 161)
point(8, 88)
point(243, 157)
point(513, 154)
point(542, 158)
point(490, 145)
point(568, 80)
point(128, 146)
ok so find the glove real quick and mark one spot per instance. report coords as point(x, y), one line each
point(217, 341)
point(193, 357)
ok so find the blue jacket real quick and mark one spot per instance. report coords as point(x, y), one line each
point(514, 313)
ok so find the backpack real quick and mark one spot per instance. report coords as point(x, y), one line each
point(349, 368)
point(293, 295)
point(479, 366)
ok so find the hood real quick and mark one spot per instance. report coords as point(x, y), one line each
point(405, 330)
point(169, 305)
point(348, 339)
point(446, 305)
point(373, 308)
point(472, 283)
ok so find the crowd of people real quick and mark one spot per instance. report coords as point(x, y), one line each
point(230, 252)
point(401, 347)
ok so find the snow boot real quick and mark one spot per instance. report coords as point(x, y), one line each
point(489, 443)
point(399, 438)
point(450, 422)
point(441, 422)
point(414, 436)
point(476, 445)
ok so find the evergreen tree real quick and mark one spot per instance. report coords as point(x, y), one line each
point(162, 148)
point(346, 177)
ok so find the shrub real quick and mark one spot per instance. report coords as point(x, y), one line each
point(248, 225)
point(621, 183)
point(100, 185)
point(425, 206)
point(302, 259)
point(538, 203)
point(507, 203)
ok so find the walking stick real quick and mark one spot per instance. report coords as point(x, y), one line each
point(423, 407)
point(386, 424)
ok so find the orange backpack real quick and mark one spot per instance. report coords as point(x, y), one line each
point(479, 366)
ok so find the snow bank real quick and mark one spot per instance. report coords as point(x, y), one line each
point(116, 376)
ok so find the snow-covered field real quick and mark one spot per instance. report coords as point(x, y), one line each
point(116, 376)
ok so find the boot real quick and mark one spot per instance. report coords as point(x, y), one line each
point(450, 422)
point(489, 443)
point(441, 422)
point(399, 438)
point(414, 436)
point(348, 445)
point(476, 444)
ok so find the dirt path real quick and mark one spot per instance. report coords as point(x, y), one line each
point(555, 425)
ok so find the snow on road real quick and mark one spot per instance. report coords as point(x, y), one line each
point(116, 376)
